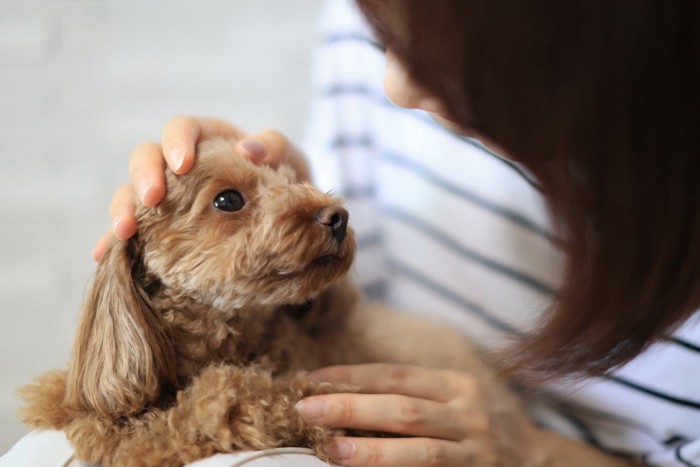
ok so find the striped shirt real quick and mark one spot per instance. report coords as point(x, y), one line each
point(447, 228)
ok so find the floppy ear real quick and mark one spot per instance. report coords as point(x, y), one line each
point(123, 353)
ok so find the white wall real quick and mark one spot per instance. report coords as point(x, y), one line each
point(81, 83)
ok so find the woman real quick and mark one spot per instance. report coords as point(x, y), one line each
point(597, 101)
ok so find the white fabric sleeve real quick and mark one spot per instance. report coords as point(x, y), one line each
point(41, 448)
point(50, 448)
point(280, 457)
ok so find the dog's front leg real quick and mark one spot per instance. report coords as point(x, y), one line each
point(226, 409)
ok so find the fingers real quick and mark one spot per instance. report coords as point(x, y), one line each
point(122, 212)
point(178, 140)
point(148, 183)
point(444, 407)
point(103, 244)
point(181, 134)
point(146, 169)
point(379, 378)
point(391, 413)
point(272, 148)
point(269, 146)
point(403, 452)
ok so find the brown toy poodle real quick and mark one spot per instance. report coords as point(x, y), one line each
point(196, 333)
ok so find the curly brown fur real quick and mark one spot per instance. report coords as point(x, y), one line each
point(196, 332)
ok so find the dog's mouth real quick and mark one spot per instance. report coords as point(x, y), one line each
point(320, 262)
point(324, 260)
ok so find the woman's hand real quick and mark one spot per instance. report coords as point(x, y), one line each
point(445, 414)
point(177, 149)
point(449, 420)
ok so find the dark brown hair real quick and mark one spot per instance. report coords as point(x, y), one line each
point(600, 100)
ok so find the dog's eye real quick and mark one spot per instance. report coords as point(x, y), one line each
point(229, 201)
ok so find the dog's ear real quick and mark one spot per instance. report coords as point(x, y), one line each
point(123, 353)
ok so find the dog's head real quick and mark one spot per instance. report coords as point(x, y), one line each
point(230, 235)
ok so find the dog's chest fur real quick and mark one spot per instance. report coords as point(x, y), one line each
point(277, 339)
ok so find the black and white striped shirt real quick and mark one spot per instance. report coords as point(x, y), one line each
point(447, 228)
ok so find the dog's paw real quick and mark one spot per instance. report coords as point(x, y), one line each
point(247, 409)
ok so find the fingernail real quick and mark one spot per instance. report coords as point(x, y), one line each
point(254, 148)
point(115, 223)
point(176, 156)
point(339, 449)
point(145, 184)
point(311, 409)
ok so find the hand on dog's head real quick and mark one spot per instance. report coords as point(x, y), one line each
point(230, 235)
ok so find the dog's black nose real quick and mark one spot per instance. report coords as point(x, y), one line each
point(336, 218)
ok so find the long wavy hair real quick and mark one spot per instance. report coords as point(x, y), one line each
point(600, 100)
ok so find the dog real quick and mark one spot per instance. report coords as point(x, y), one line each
point(197, 334)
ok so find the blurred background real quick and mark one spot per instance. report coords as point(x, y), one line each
point(81, 83)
